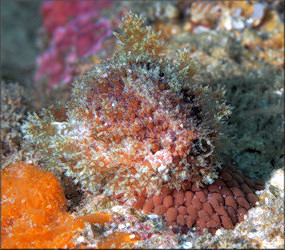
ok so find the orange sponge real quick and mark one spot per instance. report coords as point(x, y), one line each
point(34, 210)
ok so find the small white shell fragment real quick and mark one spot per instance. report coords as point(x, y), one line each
point(132, 236)
point(80, 239)
point(116, 209)
point(187, 245)
point(153, 216)
point(277, 179)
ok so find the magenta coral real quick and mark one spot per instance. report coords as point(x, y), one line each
point(52, 66)
point(76, 33)
point(58, 13)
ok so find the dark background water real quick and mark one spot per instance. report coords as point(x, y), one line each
point(20, 23)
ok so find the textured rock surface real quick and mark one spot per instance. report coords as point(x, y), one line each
point(15, 104)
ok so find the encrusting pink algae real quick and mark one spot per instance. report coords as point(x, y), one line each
point(138, 126)
point(76, 31)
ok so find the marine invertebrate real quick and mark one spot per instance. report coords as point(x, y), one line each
point(135, 122)
point(33, 212)
point(221, 204)
point(262, 228)
point(58, 13)
point(77, 31)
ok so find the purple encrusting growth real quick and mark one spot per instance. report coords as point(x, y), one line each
point(71, 40)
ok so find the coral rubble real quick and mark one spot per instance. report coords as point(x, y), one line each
point(136, 122)
point(14, 107)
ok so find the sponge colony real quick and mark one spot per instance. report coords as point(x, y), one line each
point(34, 210)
